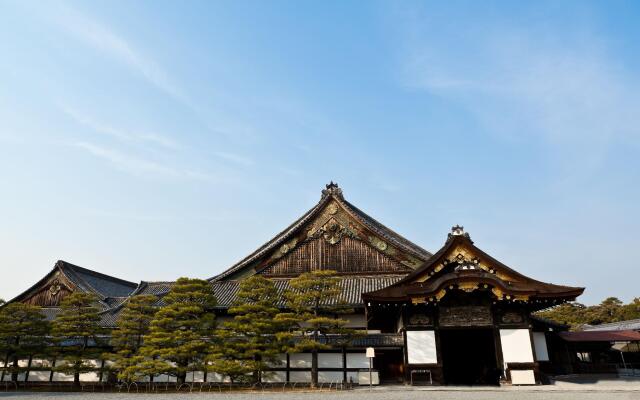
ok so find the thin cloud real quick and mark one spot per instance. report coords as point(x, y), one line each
point(100, 37)
point(140, 167)
point(120, 134)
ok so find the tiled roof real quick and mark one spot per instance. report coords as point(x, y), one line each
point(631, 324)
point(109, 290)
point(225, 292)
point(103, 285)
point(601, 336)
point(352, 288)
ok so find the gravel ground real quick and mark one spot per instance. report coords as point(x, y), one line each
point(377, 394)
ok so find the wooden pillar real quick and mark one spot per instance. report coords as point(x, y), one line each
point(344, 364)
point(498, 343)
point(288, 368)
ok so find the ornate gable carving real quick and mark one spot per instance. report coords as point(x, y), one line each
point(332, 226)
point(348, 256)
point(462, 258)
point(51, 293)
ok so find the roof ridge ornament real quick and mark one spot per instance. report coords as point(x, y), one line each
point(458, 230)
point(331, 189)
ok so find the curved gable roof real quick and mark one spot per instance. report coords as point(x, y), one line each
point(332, 193)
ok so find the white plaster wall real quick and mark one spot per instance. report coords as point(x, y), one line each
point(275, 377)
point(90, 377)
point(283, 361)
point(330, 360)
point(165, 378)
point(540, 346)
point(300, 376)
point(421, 347)
point(357, 360)
point(60, 377)
point(352, 376)
point(523, 377)
point(216, 377)
point(300, 360)
point(330, 376)
point(196, 376)
point(516, 345)
point(39, 376)
point(355, 321)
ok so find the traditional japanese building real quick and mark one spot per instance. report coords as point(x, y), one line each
point(456, 316)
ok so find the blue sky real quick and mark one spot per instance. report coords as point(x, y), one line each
point(155, 139)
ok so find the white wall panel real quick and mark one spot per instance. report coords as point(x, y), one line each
point(39, 376)
point(282, 358)
point(355, 321)
point(516, 345)
point(330, 360)
point(300, 360)
point(352, 377)
point(300, 376)
point(421, 347)
point(90, 377)
point(60, 377)
point(41, 363)
point(523, 377)
point(275, 376)
point(195, 376)
point(357, 360)
point(540, 345)
point(330, 376)
point(216, 377)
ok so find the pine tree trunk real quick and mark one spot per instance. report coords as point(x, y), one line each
point(314, 369)
point(14, 373)
point(76, 379)
point(181, 377)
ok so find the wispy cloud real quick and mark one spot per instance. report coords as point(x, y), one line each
point(139, 166)
point(563, 86)
point(101, 37)
point(118, 133)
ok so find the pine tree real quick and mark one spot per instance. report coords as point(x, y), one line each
point(180, 332)
point(23, 333)
point(314, 302)
point(77, 334)
point(132, 325)
point(251, 341)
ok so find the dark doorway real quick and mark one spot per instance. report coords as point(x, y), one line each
point(389, 362)
point(468, 357)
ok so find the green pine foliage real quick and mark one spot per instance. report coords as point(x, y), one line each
point(314, 303)
point(180, 332)
point(250, 343)
point(23, 333)
point(132, 325)
point(77, 334)
point(610, 309)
